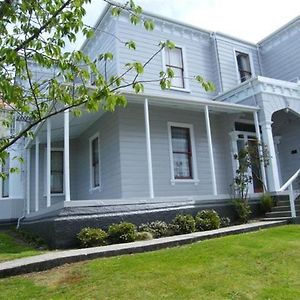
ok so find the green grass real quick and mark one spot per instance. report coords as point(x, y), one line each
point(11, 247)
point(260, 265)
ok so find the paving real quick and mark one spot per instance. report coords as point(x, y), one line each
point(57, 258)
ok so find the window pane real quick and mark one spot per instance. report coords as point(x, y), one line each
point(182, 167)
point(178, 79)
point(95, 163)
point(96, 175)
point(57, 173)
point(95, 151)
point(180, 139)
point(5, 182)
point(175, 57)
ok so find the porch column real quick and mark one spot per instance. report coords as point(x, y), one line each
point(48, 167)
point(262, 165)
point(37, 158)
point(67, 155)
point(148, 145)
point(272, 168)
point(210, 151)
point(28, 181)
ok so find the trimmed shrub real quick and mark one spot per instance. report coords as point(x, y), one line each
point(266, 203)
point(144, 236)
point(225, 222)
point(156, 228)
point(183, 224)
point(242, 209)
point(91, 237)
point(207, 220)
point(123, 232)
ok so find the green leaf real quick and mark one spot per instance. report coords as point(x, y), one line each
point(149, 25)
point(138, 67)
point(131, 45)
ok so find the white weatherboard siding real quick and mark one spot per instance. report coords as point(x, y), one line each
point(133, 152)
point(227, 59)
point(197, 54)
point(281, 60)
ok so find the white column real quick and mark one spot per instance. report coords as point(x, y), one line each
point(210, 151)
point(272, 168)
point(37, 170)
point(148, 145)
point(48, 167)
point(67, 155)
point(28, 181)
point(262, 165)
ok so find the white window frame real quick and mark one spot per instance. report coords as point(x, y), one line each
point(185, 69)
point(2, 180)
point(237, 67)
point(45, 173)
point(195, 178)
point(92, 187)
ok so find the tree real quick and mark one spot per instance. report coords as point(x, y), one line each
point(36, 32)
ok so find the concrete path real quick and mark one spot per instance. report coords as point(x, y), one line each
point(57, 258)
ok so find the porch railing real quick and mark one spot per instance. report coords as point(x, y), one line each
point(293, 193)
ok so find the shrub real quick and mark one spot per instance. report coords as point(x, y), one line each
point(183, 224)
point(242, 209)
point(91, 237)
point(225, 222)
point(266, 203)
point(144, 236)
point(156, 228)
point(123, 232)
point(207, 220)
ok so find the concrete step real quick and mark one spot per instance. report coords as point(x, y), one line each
point(286, 203)
point(281, 214)
point(277, 219)
point(284, 208)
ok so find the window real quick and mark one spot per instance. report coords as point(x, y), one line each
point(5, 181)
point(174, 60)
point(181, 151)
point(57, 171)
point(244, 66)
point(95, 162)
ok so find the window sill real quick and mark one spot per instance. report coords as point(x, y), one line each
point(180, 89)
point(194, 181)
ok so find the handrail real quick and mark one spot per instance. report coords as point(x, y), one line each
point(289, 184)
point(290, 181)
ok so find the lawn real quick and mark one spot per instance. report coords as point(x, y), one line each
point(12, 247)
point(260, 265)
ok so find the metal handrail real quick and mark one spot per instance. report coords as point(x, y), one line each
point(289, 185)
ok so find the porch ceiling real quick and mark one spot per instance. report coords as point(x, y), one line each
point(77, 125)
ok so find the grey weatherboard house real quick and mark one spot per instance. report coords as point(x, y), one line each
point(168, 151)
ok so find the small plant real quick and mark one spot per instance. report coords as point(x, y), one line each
point(207, 220)
point(266, 202)
point(157, 228)
point(183, 224)
point(225, 222)
point(91, 237)
point(242, 209)
point(123, 232)
point(144, 236)
point(31, 239)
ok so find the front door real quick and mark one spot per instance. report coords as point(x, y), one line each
point(241, 140)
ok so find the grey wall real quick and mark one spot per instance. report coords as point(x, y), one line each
point(280, 57)
point(134, 160)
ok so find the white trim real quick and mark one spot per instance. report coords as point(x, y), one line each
point(94, 188)
point(195, 178)
point(210, 151)
point(37, 157)
point(235, 50)
point(48, 163)
point(186, 82)
point(148, 144)
point(67, 154)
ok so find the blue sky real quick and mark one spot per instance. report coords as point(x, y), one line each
point(249, 20)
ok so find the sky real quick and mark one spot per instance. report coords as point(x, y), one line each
point(249, 20)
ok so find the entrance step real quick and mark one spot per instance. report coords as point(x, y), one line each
point(280, 214)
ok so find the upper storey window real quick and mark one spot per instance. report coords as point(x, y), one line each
point(244, 65)
point(174, 60)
